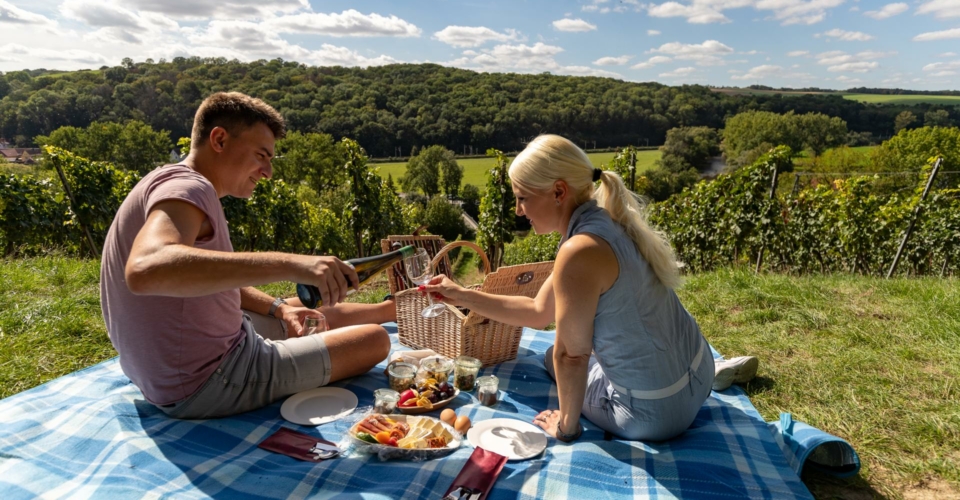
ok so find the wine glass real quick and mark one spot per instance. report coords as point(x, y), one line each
point(420, 272)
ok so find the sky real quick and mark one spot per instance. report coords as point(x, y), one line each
point(834, 44)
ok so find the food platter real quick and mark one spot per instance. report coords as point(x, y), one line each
point(431, 427)
point(417, 410)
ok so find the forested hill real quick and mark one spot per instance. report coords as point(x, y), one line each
point(397, 106)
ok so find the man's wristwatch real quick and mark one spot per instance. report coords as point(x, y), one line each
point(569, 437)
point(275, 305)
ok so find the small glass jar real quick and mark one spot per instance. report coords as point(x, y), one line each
point(402, 376)
point(314, 325)
point(385, 400)
point(465, 373)
point(488, 390)
point(437, 368)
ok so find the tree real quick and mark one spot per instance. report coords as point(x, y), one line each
point(432, 168)
point(904, 120)
point(821, 132)
point(689, 147)
point(470, 195)
point(747, 135)
point(938, 118)
point(310, 158)
point(496, 212)
point(134, 146)
point(444, 219)
point(365, 187)
point(140, 149)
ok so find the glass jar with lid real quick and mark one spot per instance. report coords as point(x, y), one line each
point(488, 390)
point(402, 376)
point(465, 372)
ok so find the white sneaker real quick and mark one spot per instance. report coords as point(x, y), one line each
point(736, 370)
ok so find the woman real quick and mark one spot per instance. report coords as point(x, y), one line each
point(611, 294)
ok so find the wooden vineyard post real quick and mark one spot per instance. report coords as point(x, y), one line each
point(73, 206)
point(913, 219)
point(773, 192)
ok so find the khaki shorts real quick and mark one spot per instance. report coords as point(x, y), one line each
point(263, 367)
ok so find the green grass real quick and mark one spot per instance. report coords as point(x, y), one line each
point(475, 169)
point(873, 361)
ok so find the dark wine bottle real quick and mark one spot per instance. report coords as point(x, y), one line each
point(366, 267)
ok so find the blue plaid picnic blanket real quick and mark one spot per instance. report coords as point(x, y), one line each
point(90, 434)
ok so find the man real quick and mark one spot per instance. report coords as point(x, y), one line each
point(179, 304)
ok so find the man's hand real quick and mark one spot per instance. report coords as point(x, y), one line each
point(330, 275)
point(294, 317)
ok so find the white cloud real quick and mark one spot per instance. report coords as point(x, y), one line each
point(38, 57)
point(247, 37)
point(798, 53)
point(942, 66)
point(711, 11)
point(770, 71)
point(679, 72)
point(573, 25)
point(838, 61)
point(117, 23)
point(11, 14)
point(522, 58)
point(941, 9)
point(612, 61)
point(653, 32)
point(348, 23)
point(848, 36)
point(649, 63)
point(219, 9)
point(948, 54)
point(937, 35)
point(943, 73)
point(848, 80)
point(708, 53)
point(332, 55)
point(467, 36)
point(854, 67)
point(889, 10)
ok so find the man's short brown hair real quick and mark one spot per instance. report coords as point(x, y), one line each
point(235, 112)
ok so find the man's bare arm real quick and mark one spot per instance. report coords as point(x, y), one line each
point(163, 261)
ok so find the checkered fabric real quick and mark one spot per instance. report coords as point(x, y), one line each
point(90, 434)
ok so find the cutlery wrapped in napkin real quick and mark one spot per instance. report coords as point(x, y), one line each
point(478, 474)
point(299, 445)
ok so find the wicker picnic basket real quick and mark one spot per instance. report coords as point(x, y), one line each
point(454, 333)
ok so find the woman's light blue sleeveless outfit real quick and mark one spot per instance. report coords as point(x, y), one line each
point(651, 369)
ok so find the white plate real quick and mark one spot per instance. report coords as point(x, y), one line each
point(318, 406)
point(512, 438)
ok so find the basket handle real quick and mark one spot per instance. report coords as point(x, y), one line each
point(473, 246)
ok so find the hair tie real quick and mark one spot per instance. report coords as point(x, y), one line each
point(596, 174)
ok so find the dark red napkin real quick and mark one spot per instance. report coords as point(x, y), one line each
point(480, 472)
point(293, 444)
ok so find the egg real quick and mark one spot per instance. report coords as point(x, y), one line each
point(462, 424)
point(448, 416)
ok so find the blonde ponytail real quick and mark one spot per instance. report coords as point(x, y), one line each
point(549, 158)
point(625, 208)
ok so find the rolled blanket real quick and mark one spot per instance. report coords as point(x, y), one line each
point(806, 446)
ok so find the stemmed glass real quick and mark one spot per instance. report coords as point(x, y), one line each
point(420, 272)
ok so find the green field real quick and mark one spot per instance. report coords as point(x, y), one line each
point(475, 169)
point(907, 99)
point(948, 100)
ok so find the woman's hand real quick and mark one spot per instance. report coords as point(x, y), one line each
point(444, 289)
point(294, 317)
point(548, 420)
